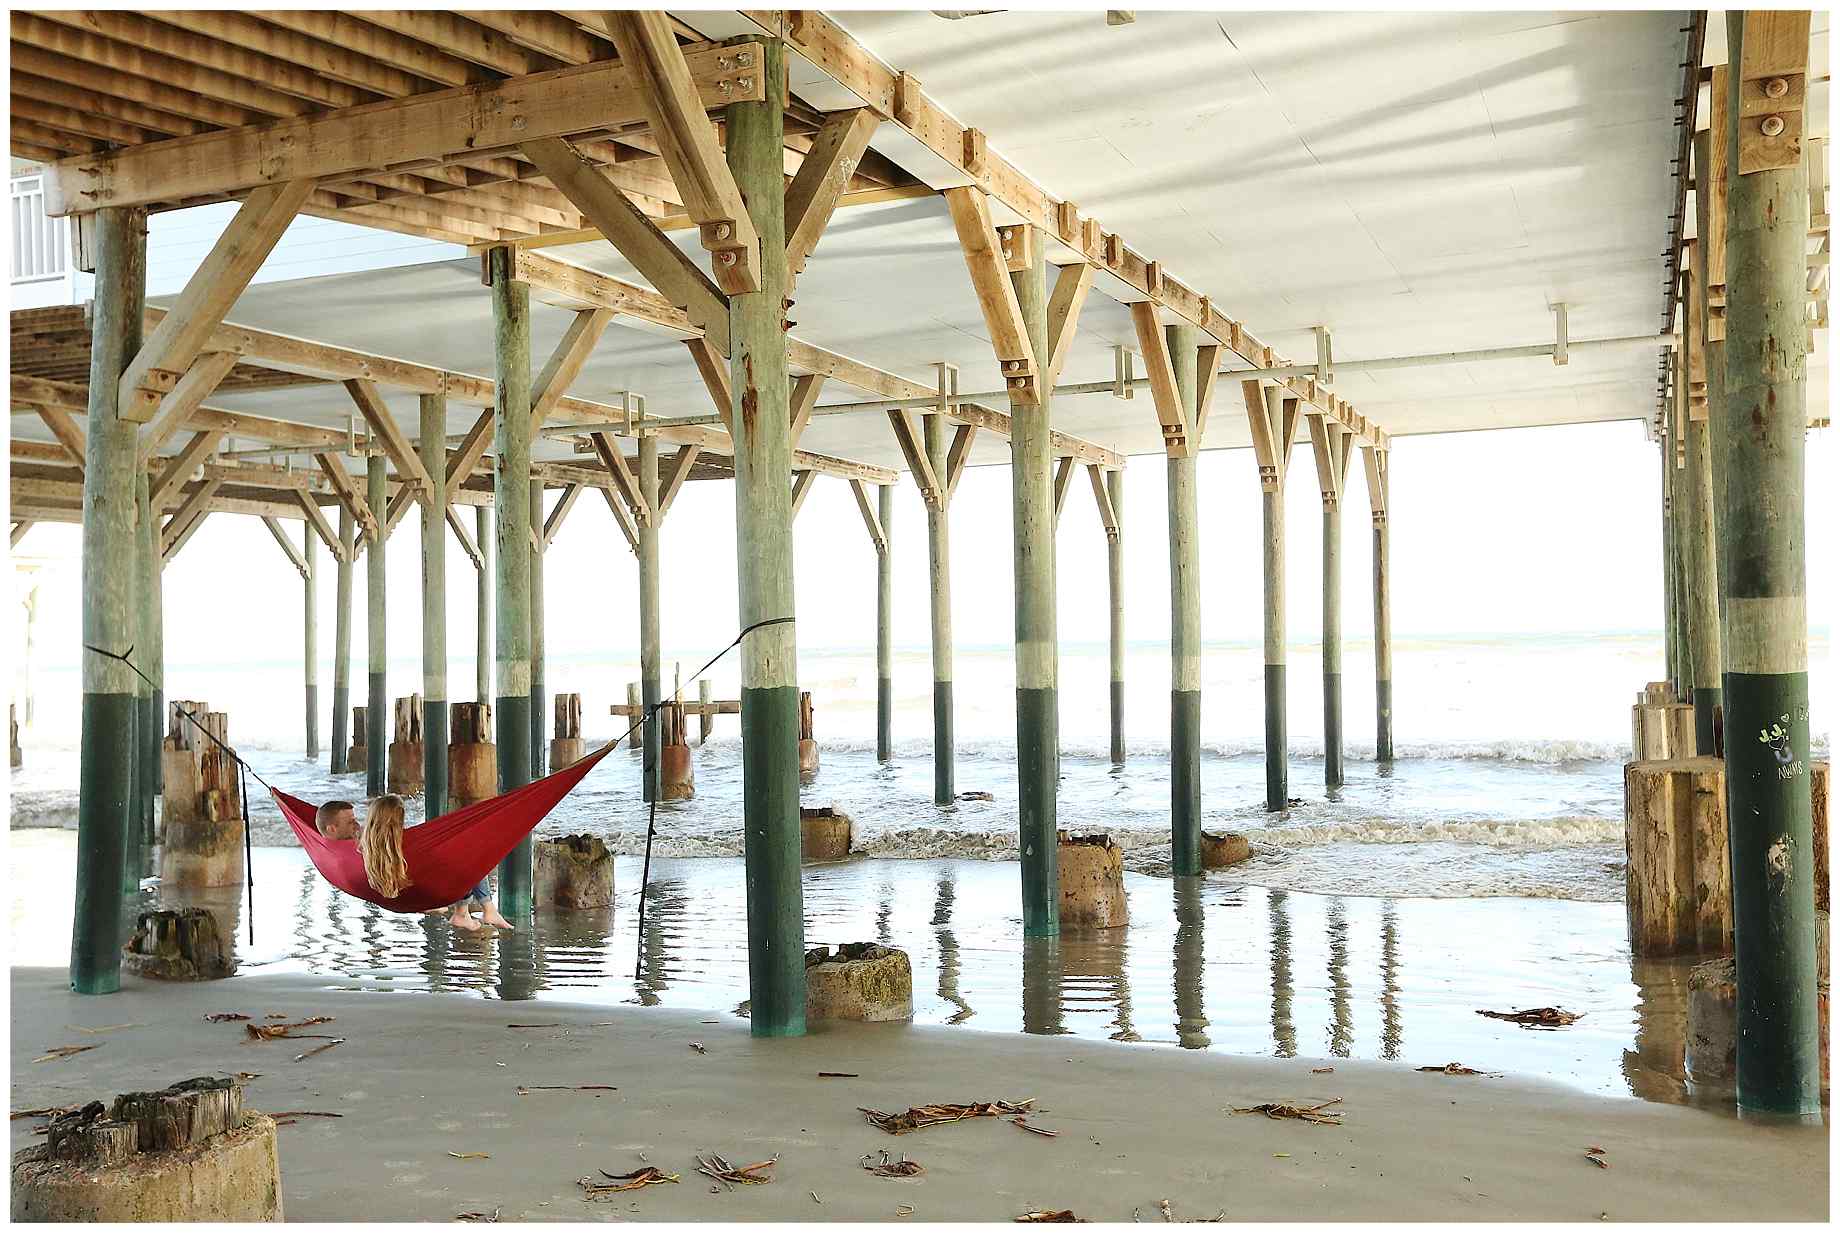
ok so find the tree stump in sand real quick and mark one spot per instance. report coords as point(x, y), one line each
point(190, 1153)
point(1222, 851)
point(1679, 869)
point(566, 748)
point(1662, 730)
point(825, 833)
point(405, 768)
point(359, 757)
point(575, 871)
point(179, 944)
point(862, 981)
point(808, 744)
point(472, 758)
point(201, 806)
point(1092, 882)
point(676, 773)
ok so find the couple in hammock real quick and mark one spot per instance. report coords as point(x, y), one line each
point(380, 842)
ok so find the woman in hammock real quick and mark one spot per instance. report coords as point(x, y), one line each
point(388, 871)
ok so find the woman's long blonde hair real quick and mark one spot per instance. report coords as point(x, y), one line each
point(382, 847)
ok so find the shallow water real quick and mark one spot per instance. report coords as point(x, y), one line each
point(1217, 964)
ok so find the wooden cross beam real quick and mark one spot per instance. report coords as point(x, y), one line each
point(184, 399)
point(390, 436)
point(674, 476)
point(686, 140)
point(182, 465)
point(1330, 443)
point(913, 449)
point(996, 295)
point(564, 365)
point(1179, 437)
point(801, 484)
point(870, 520)
point(294, 555)
point(63, 426)
point(812, 196)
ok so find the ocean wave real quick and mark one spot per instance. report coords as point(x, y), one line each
point(1545, 752)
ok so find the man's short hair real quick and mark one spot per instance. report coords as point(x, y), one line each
point(329, 813)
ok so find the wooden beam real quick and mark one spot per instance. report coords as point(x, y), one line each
point(564, 364)
point(180, 525)
point(870, 520)
point(801, 484)
point(348, 495)
point(913, 449)
point(804, 398)
point(822, 178)
point(996, 296)
point(675, 475)
point(687, 142)
point(1775, 51)
point(1102, 496)
point(956, 453)
point(1063, 478)
point(663, 264)
point(309, 509)
point(1179, 439)
point(182, 334)
point(63, 426)
point(713, 367)
point(184, 399)
point(294, 555)
point(553, 524)
point(585, 288)
point(186, 461)
point(393, 133)
point(1071, 287)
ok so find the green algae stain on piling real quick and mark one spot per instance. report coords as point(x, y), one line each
point(376, 736)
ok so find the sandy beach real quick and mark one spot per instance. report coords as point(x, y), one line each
point(420, 1077)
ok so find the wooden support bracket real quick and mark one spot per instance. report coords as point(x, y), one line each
point(553, 524)
point(389, 435)
point(180, 467)
point(675, 474)
point(812, 196)
point(294, 555)
point(623, 479)
point(870, 519)
point(1102, 496)
point(913, 449)
point(1772, 89)
point(804, 397)
point(1071, 287)
point(1063, 478)
point(801, 484)
point(565, 362)
point(184, 399)
point(1171, 411)
point(956, 453)
point(309, 509)
point(996, 295)
point(348, 495)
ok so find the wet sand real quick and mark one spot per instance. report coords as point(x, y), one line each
point(420, 1077)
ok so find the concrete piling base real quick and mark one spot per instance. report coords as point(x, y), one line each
point(472, 756)
point(676, 772)
point(1091, 882)
point(825, 833)
point(1712, 1018)
point(575, 871)
point(179, 944)
point(1222, 851)
point(861, 981)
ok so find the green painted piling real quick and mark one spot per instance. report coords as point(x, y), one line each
point(432, 446)
point(539, 736)
point(137, 859)
point(939, 596)
point(651, 670)
point(763, 520)
point(105, 784)
point(1277, 750)
point(376, 639)
point(1037, 668)
point(511, 518)
point(341, 644)
point(884, 627)
point(1184, 627)
point(148, 651)
point(1114, 566)
point(1768, 782)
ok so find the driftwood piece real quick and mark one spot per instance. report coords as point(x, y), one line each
point(179, 944)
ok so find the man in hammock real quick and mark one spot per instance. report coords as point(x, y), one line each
point(337, 820)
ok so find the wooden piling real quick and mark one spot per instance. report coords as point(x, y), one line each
point(884, 626)
point(1670, 639)
point(472, 757)
point(203, 810)
point(146, 719)
point(1114, 561)
point(1762, 441)
point(309, 586)
point(511, 516)
point(118, 242)
point(1037, 660)
point(433, 449)
point(376, 633)
point(706, 718)
point(761, 416)
point(939, 595)
point(635, 711)
point(341, 641)
point(1332, 630)
point(1184, 625)
point(538, 746)
point(1277, 740)
point(1703, 620)
point(566, 747)
point(650, 668)
point(1379, 502)
point(482, 618)
point(808, 738)
point(408, 750)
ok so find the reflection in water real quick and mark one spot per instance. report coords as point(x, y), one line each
point(1283, 1030)
point(1392, 1035)
point(1094, 980)
point(1655, 1068)
point(1341, 1023)
point(520, 962)
point(664, 903)
point(1041, 987)
point(1190, 965)
point(884, 932)
point(947, 941)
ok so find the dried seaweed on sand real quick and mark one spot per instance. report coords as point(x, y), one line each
point(293, 1115)
point(922, 1116)
point(57, 1053)
point(527, 1089)
point(620, 1183)
point(1453, 1068)
point(1061, 1217)
point(279, 1031)
point(747, 1175)
point(225, 1016)
point(1537, 1016)
point(892, 1168)
point(479, 1217)
point(1320, 1114)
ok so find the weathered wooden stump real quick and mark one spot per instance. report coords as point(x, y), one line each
point(1679, 869)
point(635, 710)
point(566, 748)
point(1092, 882)
point(201, 806)
point(190, 1153)
point(575, 871)
point(808, 744)
point(1222, 851)
point(1662, 730)
point(359, 758)
point(706, 714)
point(1821, 784)
point(180, 944)
point(17, 757)
point(403, 774)
point(863, 981)
point(1657, 691)
point(472, 758)
point(825, 833)
point(676, 772)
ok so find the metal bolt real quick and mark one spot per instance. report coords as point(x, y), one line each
point(1011, 365)
point(1772, 126)
point(744, 59)
point(725, 258)
point(1776, 87)
point(744, 83)
point(723, 231)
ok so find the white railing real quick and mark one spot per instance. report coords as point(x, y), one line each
point(41, 246)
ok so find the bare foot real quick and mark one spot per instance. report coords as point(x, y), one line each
point(461, 920)
point(495, 919)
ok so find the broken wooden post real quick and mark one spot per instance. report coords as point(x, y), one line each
point(635, 711)
point(511, 516)
point(825, 833)
point(407, 753)
point(202, 811)
point(1662, 729)
point(566, 748)
point(676, 773)
point(706, 716)
point(180, 944)
point(1678, 870)
point(860, 981)
point(15, 756)
point(191, 1153)
point(359, 758)
point(1091, 882)
point(341, 642)
point(575, 871)
point(118, 241)
point(808, 744)
point(472, 756)
point(376, 632)
point(1223, 850)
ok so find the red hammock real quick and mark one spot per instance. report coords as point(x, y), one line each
point(448, 855)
